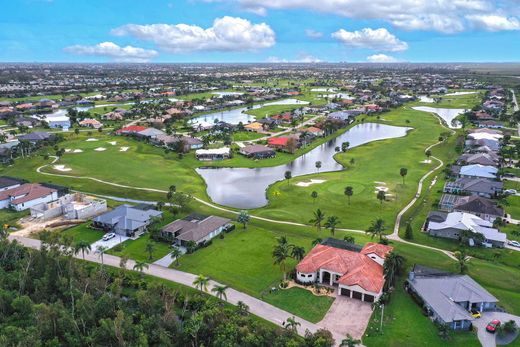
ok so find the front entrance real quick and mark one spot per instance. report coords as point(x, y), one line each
point(325, 277)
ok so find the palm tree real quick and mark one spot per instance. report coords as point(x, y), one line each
point(318, 218)
point(150, 248)
point(349, 239)
point(391, 268)
point(281, 252)
point(140, 266)
point(298, 253)
point(462, 259)
point(318, 165)
point(292, 324)
point(381, 196)
point(201, 283)
point(377, 228)
point(243, 218)
point(316, 242)
point(220, 291)
point(403, 172)
point(331, 224)
point(82, 246)
point(345, 146)
point(101, 250)
point(349, 191)
point(176, 253)
point(288, 176)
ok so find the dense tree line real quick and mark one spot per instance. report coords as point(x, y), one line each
point(49, 298)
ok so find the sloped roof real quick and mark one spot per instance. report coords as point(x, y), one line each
point(26, 192)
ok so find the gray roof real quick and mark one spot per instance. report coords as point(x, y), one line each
point(442, 292)
point(151, 132)
point(479, 185)
point(252, 149)
point(195, 229)
point(127, 217)
point(36, 136)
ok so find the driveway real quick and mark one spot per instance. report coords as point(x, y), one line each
point(347, 316)
point(488, 339)
point(110, 243)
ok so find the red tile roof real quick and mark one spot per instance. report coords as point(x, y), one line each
point(356, 268)
point(26, 192)
point(278, 141)
point(131, 129)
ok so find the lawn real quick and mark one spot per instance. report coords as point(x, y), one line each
point(246, 136)
point(83, 233)
point(136, 249)
point(300, 302)
point(10, 217)
point(467, 101)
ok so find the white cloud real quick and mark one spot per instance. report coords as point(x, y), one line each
point(118, 53)
point(302, 58)
point(494, 22)
point(376, 39)
point(226, 34)
point(446, 16)
point(313, 34)
point(381, 58)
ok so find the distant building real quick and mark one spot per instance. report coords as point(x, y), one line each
point(26, 196)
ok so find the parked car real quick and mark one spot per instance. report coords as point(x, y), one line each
point(510, 192)
point(514, 243)
point(475, 313)
point(492, 326)
point(108, 236)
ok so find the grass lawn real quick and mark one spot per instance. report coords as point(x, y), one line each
point(457, 101)
point(136, 249)
point(246, 136)
point(83, 233)
point(300, 302)
point(10, 217)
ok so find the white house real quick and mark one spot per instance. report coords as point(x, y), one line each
point(477, 170)
point(26, 196)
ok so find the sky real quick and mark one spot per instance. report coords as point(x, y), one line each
point(260, 31)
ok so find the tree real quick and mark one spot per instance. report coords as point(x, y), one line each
point(201, 283)
point(316, 241)
point(297, 253)
point(331, 224)
point(377, 229)
point(220, 291)
point(349, 239)
point(345, 146)
point(403, 172)
point(408, 234)
point(319, 217)
point(292, 324)
point(176, 253)
point(140, 266)
point(381, 196)
point(281, 252)
point(462, 259)
point(349, 341)
point(349, 191)
point(288, 176)
point(314, 196)
point(428, 153)
point(150, 248)
point(82, 246)
point(243, 218)
point(392, 268)
point(101, 250)
point(318, 165)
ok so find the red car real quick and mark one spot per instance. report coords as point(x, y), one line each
point(493, 325)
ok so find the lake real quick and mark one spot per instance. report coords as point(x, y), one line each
point(246, 188)
point(447, 114)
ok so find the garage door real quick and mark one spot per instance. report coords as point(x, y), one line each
point(369, 298)
point(345, 292)
point(357, 295)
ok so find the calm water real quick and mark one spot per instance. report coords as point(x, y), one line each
point(246, 188)
point(447, 114)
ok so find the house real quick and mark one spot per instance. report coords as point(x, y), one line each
point(195, 228)
point(487, 137)
point(150, 133)
point(474, 186)
point(492, 124)
point(479, 171)
point(484, 208)
point(36, 137)
point(7, 150)
point(213, 153)
point(257, 152)
point(71, 206)
point(7, 183)
point(26, 195)
point(254, 127)
point(127, 220)
point(278, 142)
point(62, 122)
point(448, 298)
point(357, 272)
point(91, 123)
point(130, 130)
point(314, 131)
point(488, 159)
point(169, 141)
point(453, 225)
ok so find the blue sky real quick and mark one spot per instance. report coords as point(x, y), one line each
point(251, 31)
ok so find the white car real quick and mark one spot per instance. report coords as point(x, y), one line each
point(108, 236)
point(514, 243)
point(510, 192)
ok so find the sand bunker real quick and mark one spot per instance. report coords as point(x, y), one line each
point(91, 139)
point(383, 188)
point(77, 151)
point(380, 183)
point(311, 182)
point(123, 149)
point(62, 168)
point(113, 143)
point(426, 161)
point(68, 150)
point(100, 149)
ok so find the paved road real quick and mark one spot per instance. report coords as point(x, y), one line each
point(256, 306)
point(488, 339)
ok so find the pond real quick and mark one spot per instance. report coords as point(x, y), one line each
point(447, 114)
point(246, 188)
point(238, 115)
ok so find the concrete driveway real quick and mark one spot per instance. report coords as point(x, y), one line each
point(110, 243)
point(347, 316)
point(488, 339)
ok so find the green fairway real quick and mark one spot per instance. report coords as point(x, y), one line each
point(466, 101)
